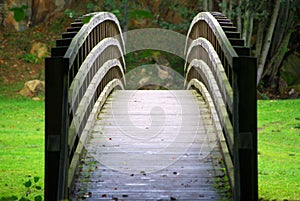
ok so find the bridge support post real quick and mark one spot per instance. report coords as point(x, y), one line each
point(245, 68)
point(56, 128)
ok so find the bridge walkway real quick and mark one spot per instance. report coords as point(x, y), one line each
point(151, 145)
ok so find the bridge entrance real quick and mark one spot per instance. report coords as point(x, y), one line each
point(151, 145)
point(104, 142)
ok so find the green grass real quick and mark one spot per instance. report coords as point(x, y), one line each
point(279, 149)
point(21, 144)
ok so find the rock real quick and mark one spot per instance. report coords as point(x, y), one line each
point(39, 49)
point(33, 88)
point(290, 70)
point(36, 99)
point(162, 71)
point(282, 86)
point(37, 11)
point(143, 71)
point(293, 92)
point(10, 23)
point(295, 89)
point(144, 81)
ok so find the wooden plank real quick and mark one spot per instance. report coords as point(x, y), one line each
point(242, 51)
point(231, 34)
point(229, 28)
point(174, 160)
point(224, 20)
point(77, 24)
point(58, 51)
point(73, 29)
point(68, 34)
point(236, 42)
point(226, 23)
point(63, 42)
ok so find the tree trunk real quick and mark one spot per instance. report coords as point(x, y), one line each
point(259, 37)
point(268, 39)
point(280, 28)
point(276, 60)
point(239, 16)
point(205, 6)
point(278, 56)
point(230, 16)
point(210, 5)
point(224, 6)
point(249, 30)
point(246, 21)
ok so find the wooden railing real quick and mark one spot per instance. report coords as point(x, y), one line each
point(88, 63)
point(221, 68)
point(84, 67)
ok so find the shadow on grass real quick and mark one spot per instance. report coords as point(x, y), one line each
point(11, 198)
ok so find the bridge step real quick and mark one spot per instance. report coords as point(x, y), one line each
point(231, 34)
point(58, 51)
point(225, 23)
point(236, 42)
point(77, 24)
point(229, 28)
point(242, 51)
point(73, 29)
point(63, 42)
point(224, 20)
point(68, 34)
point(151, 145)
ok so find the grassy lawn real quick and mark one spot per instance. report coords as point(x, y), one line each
point(279, 149)
point(21, 145)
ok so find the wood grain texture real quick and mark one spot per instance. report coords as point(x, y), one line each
point(150, 145)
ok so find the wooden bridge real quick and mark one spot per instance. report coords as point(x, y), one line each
point(105, 142)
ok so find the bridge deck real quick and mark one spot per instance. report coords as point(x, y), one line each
point(151, 145)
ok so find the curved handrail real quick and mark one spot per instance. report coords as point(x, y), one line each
point(210, 82)
point(88, 96)
point(92, 65)
point(216, 121)
point(109, 87)
point(207, 41)
point(236, 81)
point(218, 32)
point(216, 67)
point(86, 29)
point(88, 64)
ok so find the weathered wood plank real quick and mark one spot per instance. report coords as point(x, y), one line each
point(151, 145)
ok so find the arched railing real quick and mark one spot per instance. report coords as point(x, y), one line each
point(84, 67)
point(222, 70)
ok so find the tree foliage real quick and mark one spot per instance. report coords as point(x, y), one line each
point(19, 12)
point(266, 26)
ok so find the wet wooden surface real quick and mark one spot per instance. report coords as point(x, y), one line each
point(151, 145)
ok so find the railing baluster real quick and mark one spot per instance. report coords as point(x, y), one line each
point(240, 72)
point(61, 71)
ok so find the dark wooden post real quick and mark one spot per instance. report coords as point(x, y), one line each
point(56, 128)
point(245, 68)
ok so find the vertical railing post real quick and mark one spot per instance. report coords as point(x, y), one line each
point(235, 124)
point(245, 69)
point(56, 128)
